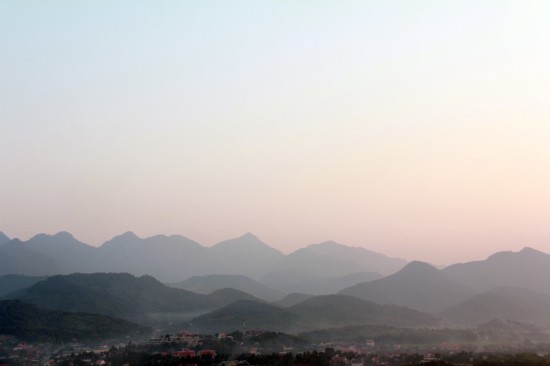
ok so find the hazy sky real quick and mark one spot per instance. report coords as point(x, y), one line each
point(419, 129)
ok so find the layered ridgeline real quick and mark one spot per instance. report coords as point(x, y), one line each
point(143, 299)
point(31, 323)
point(210, 283)
point(510, 286)
point(466, 293)
point(506, 286)
point(505, 303)
point(319, 312)
point(175, 258)
point(329, 267)
point(122, 295)
point(418, 285)
point(401, 299)
point(528, 268)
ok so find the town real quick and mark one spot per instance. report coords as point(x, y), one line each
point(261, 348)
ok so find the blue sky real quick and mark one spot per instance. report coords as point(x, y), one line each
point(418, 129)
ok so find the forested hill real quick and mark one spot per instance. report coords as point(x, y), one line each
point(31, 323)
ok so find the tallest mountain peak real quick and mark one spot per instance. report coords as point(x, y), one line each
point(249, 236)
point(64, 235)
point(128, 235)
point(419, 266)
point(247, 242)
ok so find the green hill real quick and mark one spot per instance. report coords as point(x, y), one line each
point(12, 282)
point(244, 314)
point(121, 295)
point(31, 323)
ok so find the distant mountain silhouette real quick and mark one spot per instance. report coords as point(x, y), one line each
point(528, 268)
point(210, 283)
point(17, 258)
point(121, 295)
point(418, 286)
point(168, 258)
point(327, 260)
point(174, 258)
point(12, 283)
point(246, 255)
point(3, 238)
point(31, 323)
point(47, 255)
point(505, 303)
point(70, 254)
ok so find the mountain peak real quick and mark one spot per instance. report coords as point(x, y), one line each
point(418, 266)
point(246, 241)
point(330, 243)
point(128, 238)
point(525, 252)
point(248, 235)
point(63, 235)
point(529, 250)
point(128, 235)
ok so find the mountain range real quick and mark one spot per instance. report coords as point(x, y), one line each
point(507, 286)
point(506, 303)
point(302, 270)
point(175, 258)
point(527, 268)
point(319, 312)
point(121, 295)
point(418, 285)
point(145, 300)
point(208, 282)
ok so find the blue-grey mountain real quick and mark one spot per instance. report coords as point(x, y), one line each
point(504, 303)
point(418, 285)
point(327, 261)
point(528, 268)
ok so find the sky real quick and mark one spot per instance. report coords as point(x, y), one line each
point(418, 129)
